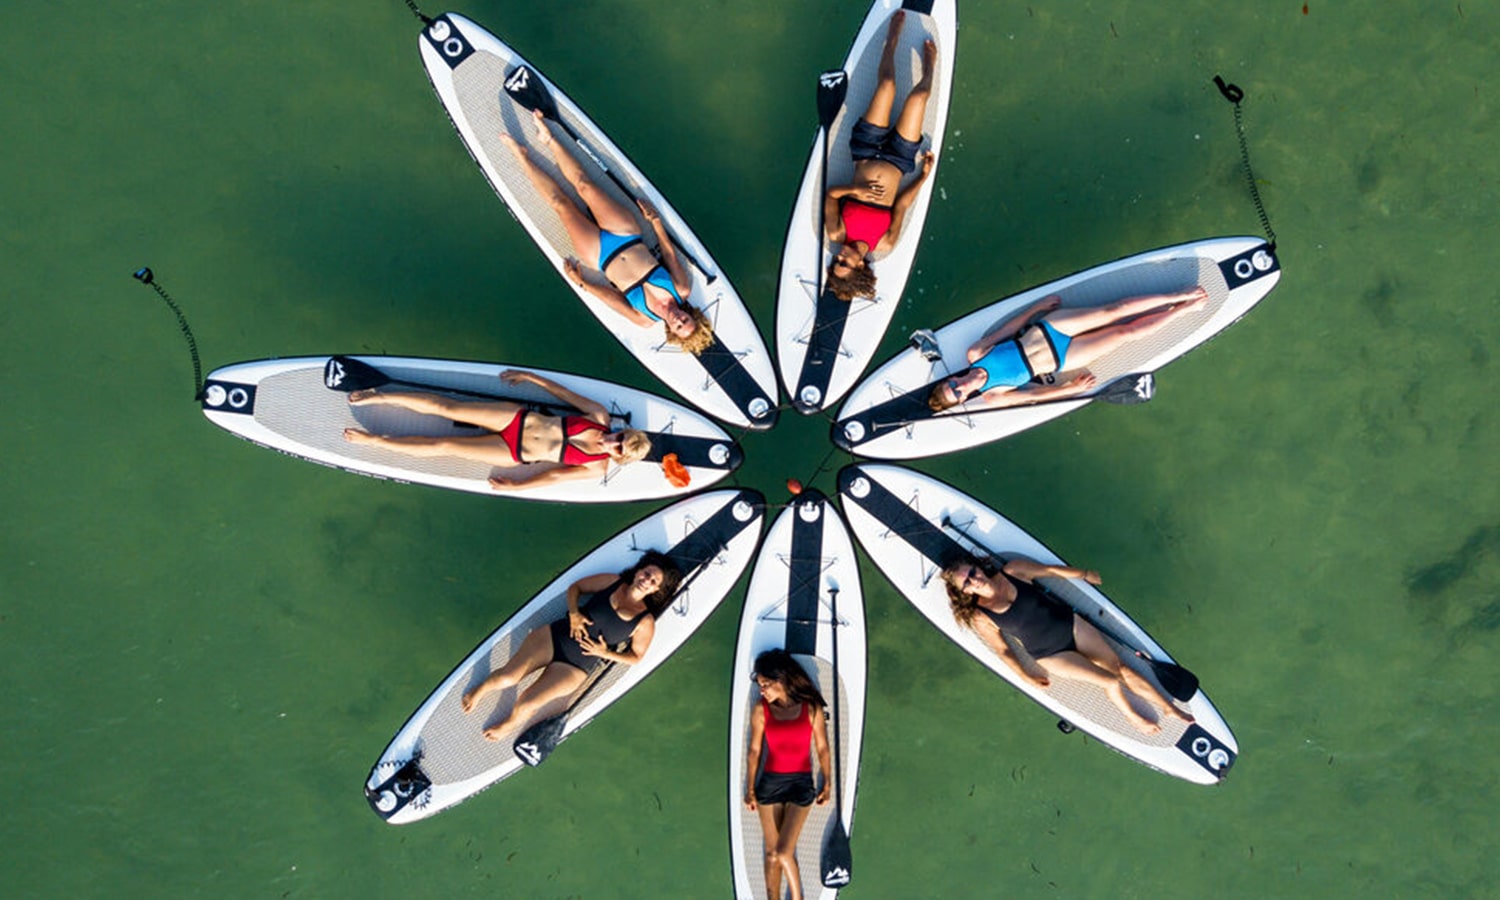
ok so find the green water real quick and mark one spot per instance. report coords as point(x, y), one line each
point(205, 645)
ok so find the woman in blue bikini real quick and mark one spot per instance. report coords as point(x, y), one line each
point(1014, 364)
point(639, 287)
point(994, 602)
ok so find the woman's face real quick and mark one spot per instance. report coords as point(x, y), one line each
point(771, 690)
point(614, 445)
point(679, 321)
point(847, 260)
point(969, 579)
point(958, 388)
point(648, 579)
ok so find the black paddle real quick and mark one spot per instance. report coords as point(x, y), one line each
point(1174, 679)
point(837, 864)
point(526, 87)
point(1127, 390)
point(833, 85)
point(344, 373)
point(537, 742)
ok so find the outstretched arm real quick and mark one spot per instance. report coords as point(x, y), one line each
point(1037, 393)
point(669, 255)
point(606, 294)
point(752, 753)
point(903, 203)
point(825, 759)
point(1014, 325)
point(1031, 570)
point(589, 408)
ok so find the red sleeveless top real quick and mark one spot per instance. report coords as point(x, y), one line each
point(788, 741)
point(864, 221)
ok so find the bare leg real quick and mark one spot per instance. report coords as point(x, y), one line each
point(535, 651)
point(491, 414)
point(556, 681)
point(489, 449)
point(582, 232)
point(1092, 345)
point(914, 110)
point(770, 835)
point(1074, 665)
point(610, 215)
point(1078, 320)
point(1092, 644)
point(878, 113)
point(786, 846)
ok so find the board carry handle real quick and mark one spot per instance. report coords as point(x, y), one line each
point(347, 374)
point(523, 85)
point(1175, 679)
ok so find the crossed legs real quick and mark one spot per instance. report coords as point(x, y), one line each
point(1097, 663)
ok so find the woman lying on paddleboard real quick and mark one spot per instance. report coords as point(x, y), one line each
point(992, 602)
point(619, 610)
point(861, 216)
point(640, 288)
point(790, 722)
point(1012, 365)
point(582, 446)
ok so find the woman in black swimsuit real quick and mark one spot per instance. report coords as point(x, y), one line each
point(619, 611)
point(991, 602)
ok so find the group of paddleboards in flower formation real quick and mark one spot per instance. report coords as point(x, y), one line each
point(797, 698)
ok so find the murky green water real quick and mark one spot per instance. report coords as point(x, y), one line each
point(206, 645)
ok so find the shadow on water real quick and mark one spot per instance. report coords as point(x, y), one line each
point(1453, 592)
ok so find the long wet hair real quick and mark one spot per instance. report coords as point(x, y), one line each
point(965, 606)
point(671, 580)
point(779, 666)
point(858, 283)
point(702, 337)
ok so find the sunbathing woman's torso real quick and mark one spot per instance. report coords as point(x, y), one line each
point(571, 440)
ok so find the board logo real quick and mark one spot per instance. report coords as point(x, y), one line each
point(529, 753)
point(333, 374)
point(838, 876)
point(831, 80)
point(518, 81)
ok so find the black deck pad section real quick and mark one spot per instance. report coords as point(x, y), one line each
point(1241, 270)
point(881, 418)
point(919, 6)
point(692, 450)
point(706, 541)
point(1206, 750)
point(823, 345)
point(452, 48)
point(926, 538)
point(726, 370)
point(804, 576)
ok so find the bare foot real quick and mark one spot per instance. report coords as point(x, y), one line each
point(514, 145)
point(893, 31)
point(496, 732)
point(1177, 713)
point(359, 436)
point(368, 395)
point(929, 59)
point(1143, 724)
point(543, 133)
point(1192, 299)
point(470, 698)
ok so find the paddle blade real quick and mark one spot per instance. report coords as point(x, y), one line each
point(1128, 390)
point(525, 87)
point(837, 863)
point(832, 86)
point(342, 373)
point(537, 742)
point(1175, 680)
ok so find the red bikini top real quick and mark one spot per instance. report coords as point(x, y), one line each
point(571, 455)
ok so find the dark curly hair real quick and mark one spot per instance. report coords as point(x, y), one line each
point(671, 579)
point(859, 282)
point(779, 666)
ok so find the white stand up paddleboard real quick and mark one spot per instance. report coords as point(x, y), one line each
point(488, 89)
point(887, 416)
point(300, 407)
point(823, 343)
point(790, 605)
point(913, 525)
point(440, 756)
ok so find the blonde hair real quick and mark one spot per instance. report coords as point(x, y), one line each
point(702, 337)
point(936, 401)
point(634, 445)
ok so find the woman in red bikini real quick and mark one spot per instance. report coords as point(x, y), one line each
point(581, 446)
point(789, 723)
point(865, 216)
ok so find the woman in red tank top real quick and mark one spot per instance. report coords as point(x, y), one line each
point(588, 446)
point(789, 723)
point(865, 216)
